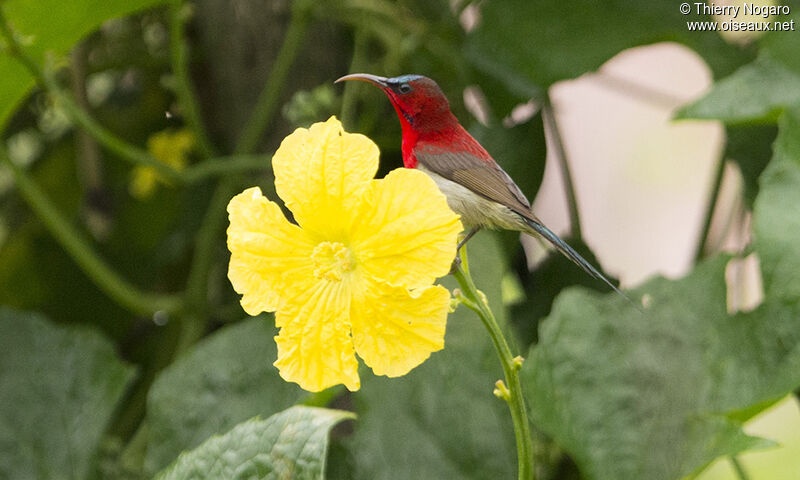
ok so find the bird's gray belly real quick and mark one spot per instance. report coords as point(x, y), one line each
point(474, 209)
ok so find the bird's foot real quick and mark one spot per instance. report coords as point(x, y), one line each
point(456, 263)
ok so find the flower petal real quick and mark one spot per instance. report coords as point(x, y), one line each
point(406, 234)
point(395, 329)
point(267, 252)
point(315, 349)
point(321, 173)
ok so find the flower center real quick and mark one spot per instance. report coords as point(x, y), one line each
point(331, 261)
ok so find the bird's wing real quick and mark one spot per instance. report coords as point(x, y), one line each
point(490, 181)
point(485, 178)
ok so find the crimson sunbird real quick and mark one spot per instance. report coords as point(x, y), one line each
point(476, 187)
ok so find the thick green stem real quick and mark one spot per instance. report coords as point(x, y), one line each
point(561, 153)
point(84, 255)
point(512, 394)
point(183, 85)
point(223, 166)
point(268, 100)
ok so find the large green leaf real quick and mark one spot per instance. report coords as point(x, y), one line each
point(441, 420)
point(58, 389)
point(757, 92)
point(633, 395)
point(291, 444)
point(776, 218)
point(224, 380)
point(51, 26)
point(542, 41)
point(660, 394)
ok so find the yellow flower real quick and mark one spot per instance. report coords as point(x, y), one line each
point(355, 274)
point(166, 146)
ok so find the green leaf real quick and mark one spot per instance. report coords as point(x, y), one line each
point(776, 221)
point(783, 46)
point(633, 395)
point(756, 93)
point(543, 42)
point(660, 395)
point(59, 387)
point(224, 380)
point(54, 26)
point(441, 420)
point(291, 444)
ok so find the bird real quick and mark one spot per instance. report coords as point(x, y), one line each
point(476, 187)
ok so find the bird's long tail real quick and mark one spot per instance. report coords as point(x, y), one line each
point(570, 253)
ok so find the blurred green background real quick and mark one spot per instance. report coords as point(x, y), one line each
point(655, 150)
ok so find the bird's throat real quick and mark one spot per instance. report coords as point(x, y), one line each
point(410, 137)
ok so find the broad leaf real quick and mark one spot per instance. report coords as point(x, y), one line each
point(51, 26)
point(544, 42)
point(782, 45)
point(291, 444)
point(776, 218)
point(757, 92)
point(59, 387)
point(760, 91)
point(633, 395)
point(441, 420)
point(224, 380)
point(661, 394)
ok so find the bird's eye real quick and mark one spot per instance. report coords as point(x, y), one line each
point(404, 88)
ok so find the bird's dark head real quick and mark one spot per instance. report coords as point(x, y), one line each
point(419, 101)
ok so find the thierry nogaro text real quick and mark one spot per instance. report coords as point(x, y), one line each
point(765, 11)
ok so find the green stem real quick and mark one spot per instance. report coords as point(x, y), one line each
point(115, 144)
point(268, 100)
point(202, 261)
point(221, 166)
point(183, 86)
point(712, 203)
point(323, 398)
point(84, 255)
point(561, 153)
point(348, 96)
point(739, 468)
point(476, 301)
point(88, 153)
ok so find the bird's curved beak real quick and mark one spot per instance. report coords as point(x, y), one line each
point(365, 77)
